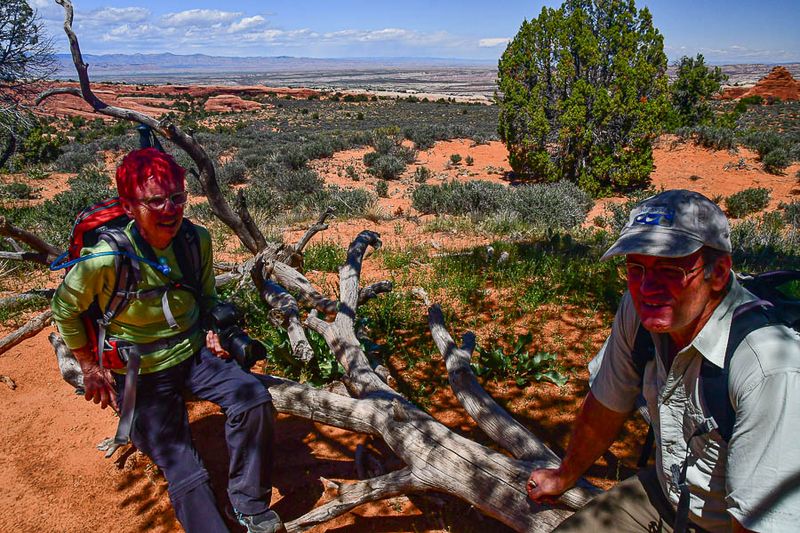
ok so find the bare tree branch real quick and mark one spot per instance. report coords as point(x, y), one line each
point(26, 256)
point(284, 313)
point(354, 494)
point(318, 226)
point(372, 291)
point(30, 329)
point(25, 298)
point(74, 91)
point(32, 240)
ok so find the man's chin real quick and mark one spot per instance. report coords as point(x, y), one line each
point(657, 324)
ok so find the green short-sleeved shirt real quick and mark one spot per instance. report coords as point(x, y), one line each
point(143, 320)
point(750, 477)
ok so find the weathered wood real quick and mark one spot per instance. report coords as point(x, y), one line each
point(30, 329)
point(67, 364)
point(36, 257)
point(495, 421)
point(10, 302)
point(318, 226)
point(8, 381)
point(354, 494)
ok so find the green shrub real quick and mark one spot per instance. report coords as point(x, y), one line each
point(233, 172)
point(382, 188)
point(474, 198)
point(325, 257)
point(752, 100)
point(712, 137)
point(294, 158)
point(524, 367)
point(351, 173)
point(17, 190)
point(58, 214)
point(791, 213)
point(469, 160)
point(40, 147)
point(776, 161)
point(386, 167)
point(762, 243)
point(346, 202)
point(76, 156)
point(422, 174)
point(455, 159)
point(552, 205)
point(746, 202)
point(286, 181)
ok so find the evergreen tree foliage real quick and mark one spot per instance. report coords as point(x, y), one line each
point(26, 57)
point(582, 95)
point(694, 85)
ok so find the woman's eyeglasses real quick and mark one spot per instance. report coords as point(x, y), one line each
point(155, 203)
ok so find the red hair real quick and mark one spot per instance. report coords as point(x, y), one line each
point(141, 165)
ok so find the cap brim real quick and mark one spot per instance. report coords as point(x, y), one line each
point(654, 241)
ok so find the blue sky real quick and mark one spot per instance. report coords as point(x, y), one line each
point(732, 31)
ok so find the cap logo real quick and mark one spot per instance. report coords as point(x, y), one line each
point(655, 216)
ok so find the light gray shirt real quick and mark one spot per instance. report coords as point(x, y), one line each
point(756, 476)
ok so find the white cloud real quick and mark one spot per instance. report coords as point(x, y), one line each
point(199, 17)
point(246, 23)
point(114, 15)
point(493, 41)
point(126, 32)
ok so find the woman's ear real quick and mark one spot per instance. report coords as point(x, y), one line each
point(127, 206)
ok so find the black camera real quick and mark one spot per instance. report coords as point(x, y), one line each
point(224, 321)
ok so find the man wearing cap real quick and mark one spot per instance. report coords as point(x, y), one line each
point(681, 290)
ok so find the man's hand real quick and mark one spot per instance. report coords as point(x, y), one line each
point(547, 484)
point(595, 428)
point(215, 346)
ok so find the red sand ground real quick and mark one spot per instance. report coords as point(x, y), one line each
point(54, 480)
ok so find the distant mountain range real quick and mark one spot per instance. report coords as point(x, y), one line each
point(139, 64)
point(406, 74)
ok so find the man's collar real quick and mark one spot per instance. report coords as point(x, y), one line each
point(712, 341)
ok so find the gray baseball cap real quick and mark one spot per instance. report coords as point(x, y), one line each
point(673, 224)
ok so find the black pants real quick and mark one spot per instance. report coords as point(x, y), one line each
point(161, 430)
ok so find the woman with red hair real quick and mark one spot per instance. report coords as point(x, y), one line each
point(162, 328)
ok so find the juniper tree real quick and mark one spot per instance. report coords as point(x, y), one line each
point(583, 93)
point(26, 57)
point(694, 85)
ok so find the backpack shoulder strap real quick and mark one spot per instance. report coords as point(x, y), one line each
point(746, 318)
point(643, 351)
point(187, 252)
point(127, 277)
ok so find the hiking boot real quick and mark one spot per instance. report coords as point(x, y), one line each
point(266, 522)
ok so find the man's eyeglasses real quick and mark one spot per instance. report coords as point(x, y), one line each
point(635, 273)
point(155, 203)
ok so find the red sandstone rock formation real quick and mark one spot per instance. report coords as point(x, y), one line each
point(226, 103)
point(779, 83)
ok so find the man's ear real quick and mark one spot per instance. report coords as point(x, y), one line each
point(721, 272)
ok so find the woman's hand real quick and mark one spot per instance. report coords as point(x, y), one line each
point(215, 346)
point(98, 383)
